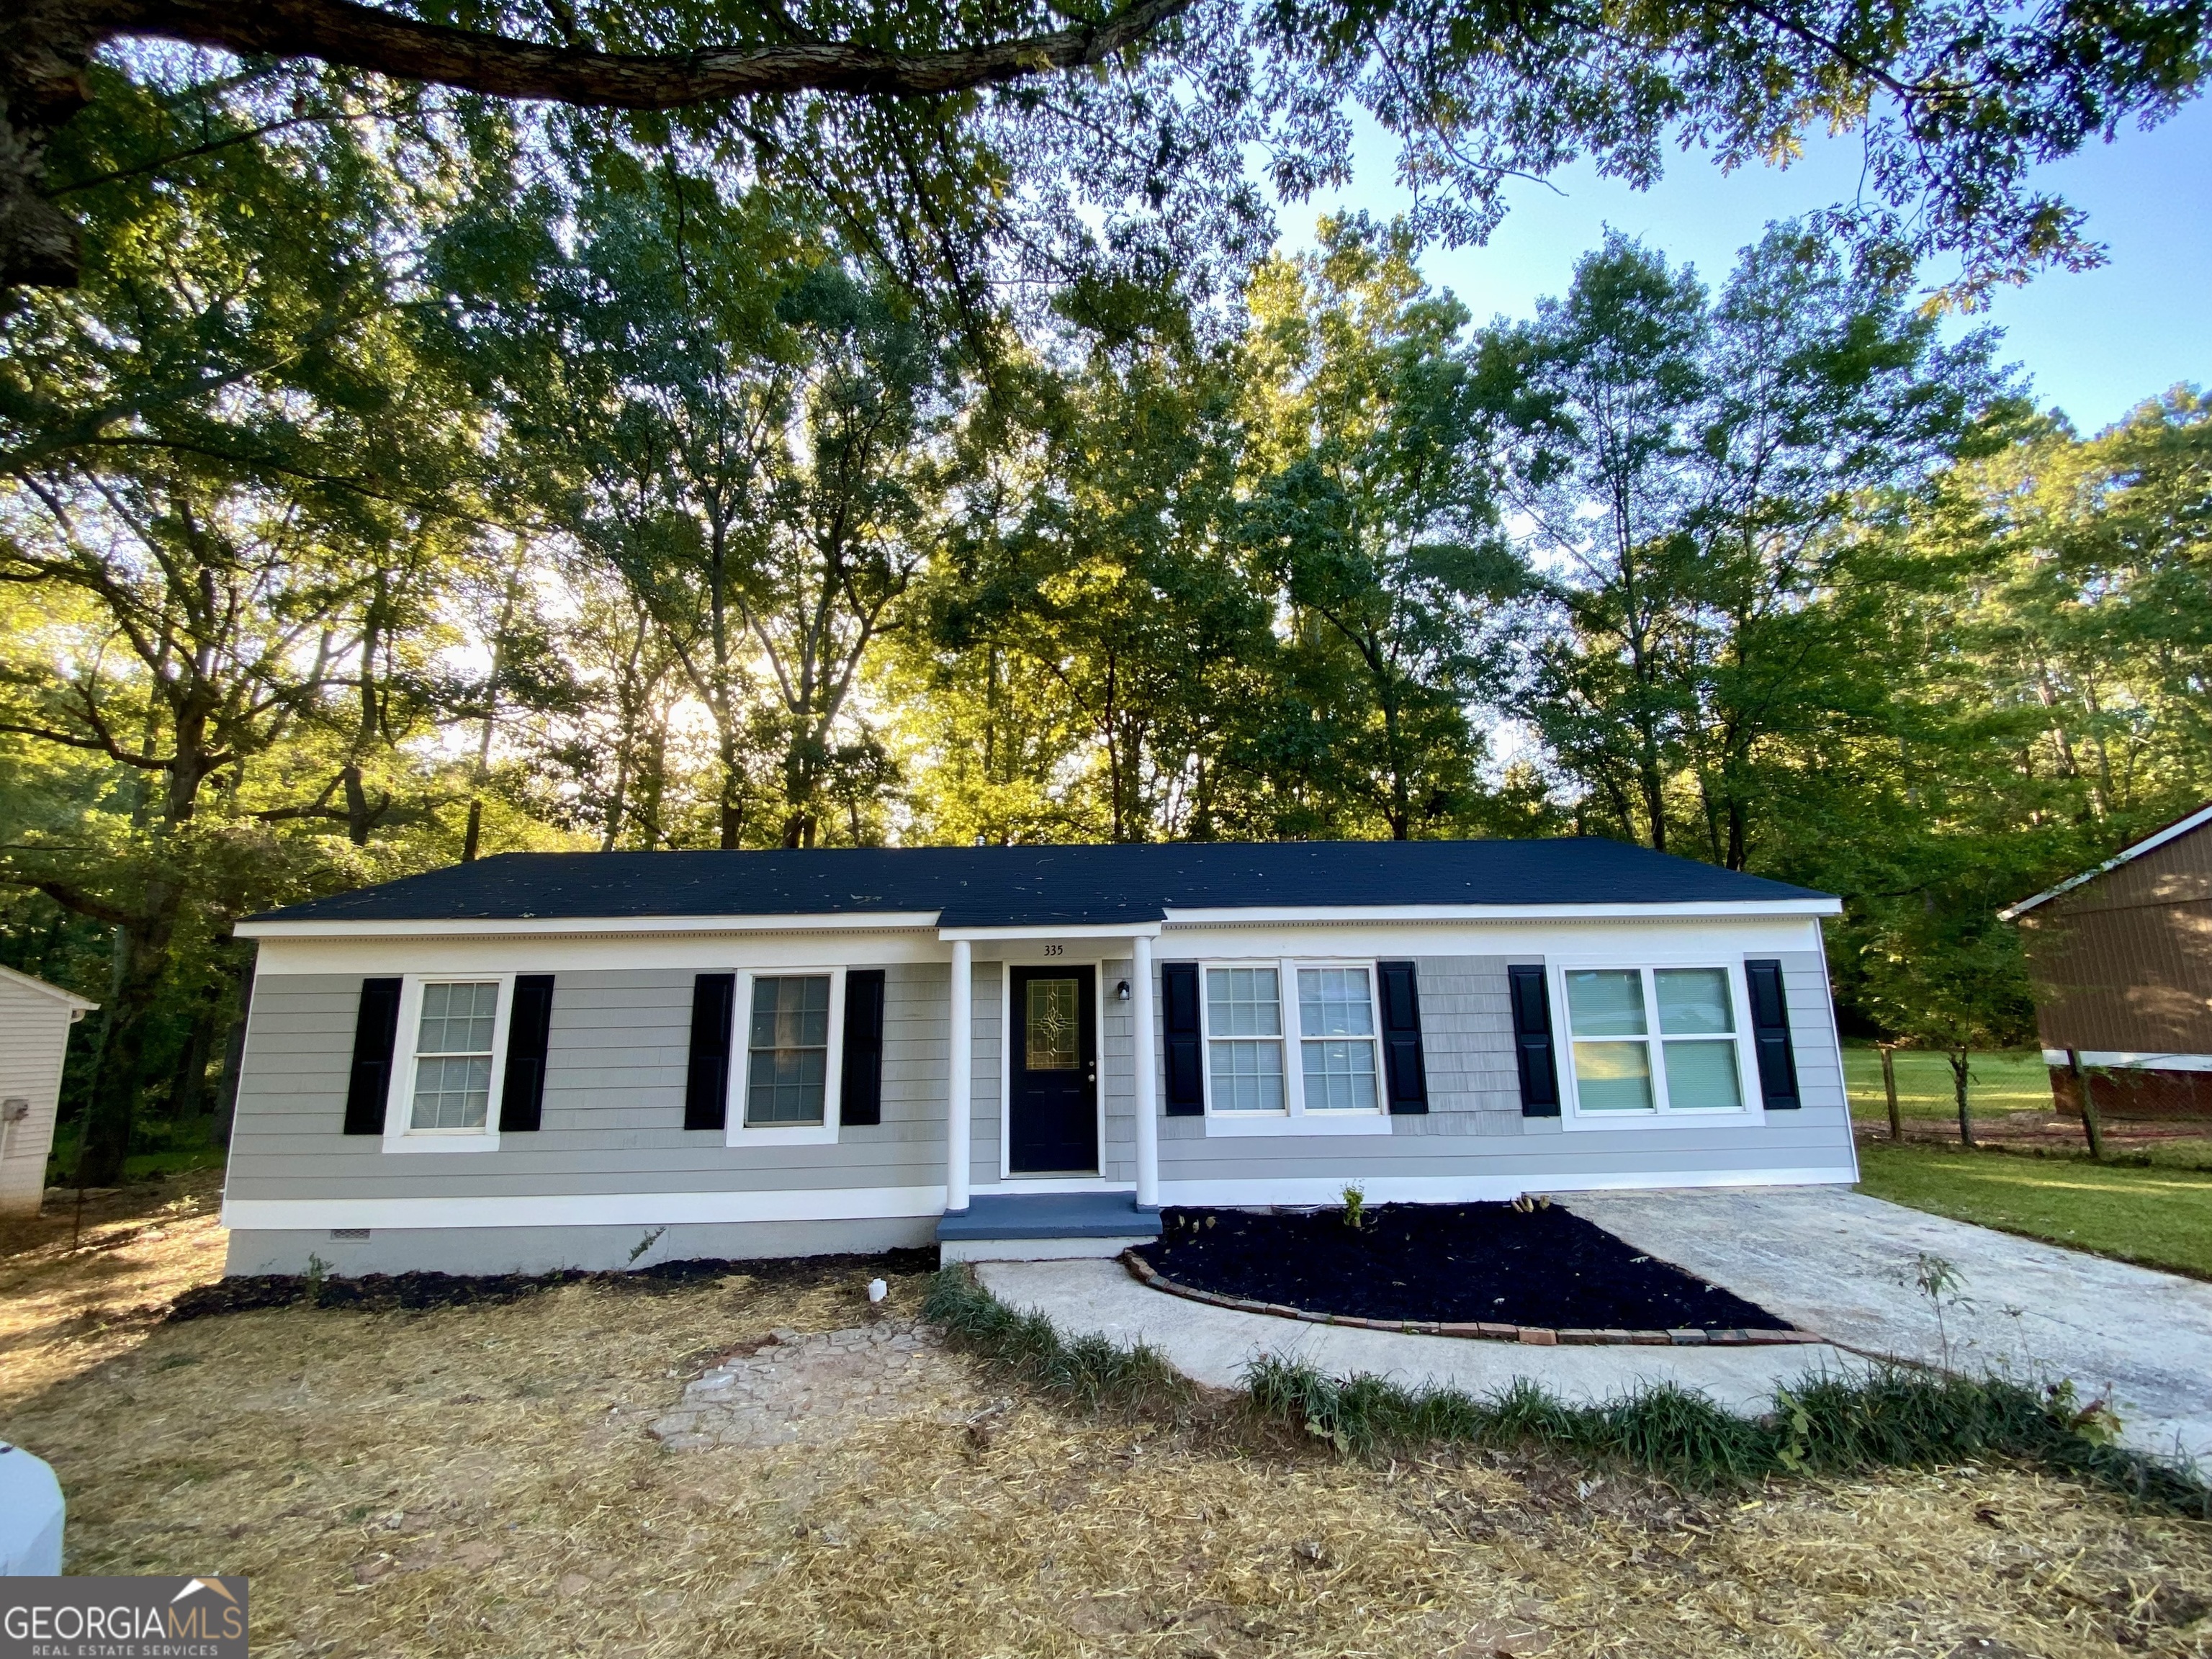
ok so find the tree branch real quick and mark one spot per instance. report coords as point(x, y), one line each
point(365, 37)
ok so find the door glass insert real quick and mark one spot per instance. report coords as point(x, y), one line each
point(1052, 1025)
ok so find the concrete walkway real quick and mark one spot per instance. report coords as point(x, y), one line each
point(1836, 1261)
point(1213, 1345)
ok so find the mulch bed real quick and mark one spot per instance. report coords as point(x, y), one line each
point(1454, 1263)
point(410, 1291)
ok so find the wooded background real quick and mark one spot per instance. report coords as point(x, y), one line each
point(414, 477)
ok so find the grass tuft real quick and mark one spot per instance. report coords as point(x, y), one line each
point(1821, 1425)
point(1089, 1370)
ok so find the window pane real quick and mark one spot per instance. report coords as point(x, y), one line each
point(1243, 1002)
point(1614, 1076)
point(458, 1019)
point(786, 1085)
point(788, 1062)
point(1702, 1077)
point(1693, 1001)
point(1340, 1076)
point(1052, 1025)
point(1248, 1077)
point(1333, 1002)
point(792, 1012)
point(1605, 1002)
point(452, 1094)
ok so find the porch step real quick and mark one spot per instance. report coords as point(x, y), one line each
point(1044, 1227)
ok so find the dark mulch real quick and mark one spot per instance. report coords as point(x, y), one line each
point(1460, 1262)
point(391, 1293)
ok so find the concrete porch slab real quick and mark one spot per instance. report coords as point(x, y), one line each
point(1045, 1226)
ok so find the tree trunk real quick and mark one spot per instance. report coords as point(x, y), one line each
point(1889, 1088)
point(2093, 1122)
point(113, 1113)
point(1958, 1058)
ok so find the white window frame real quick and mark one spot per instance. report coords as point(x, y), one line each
point(735, 1130)
point(400, 1133)
point(1295, 1119)
point(1663, 1115)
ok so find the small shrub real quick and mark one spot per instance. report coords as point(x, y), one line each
point(1823, 1424)
point(1355, 1208)
point(1089, 1369)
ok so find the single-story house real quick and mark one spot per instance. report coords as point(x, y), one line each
point(34, 1026)
point(544, 1060)
point(2120, 957)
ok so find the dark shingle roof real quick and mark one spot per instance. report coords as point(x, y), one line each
point(1035, 886)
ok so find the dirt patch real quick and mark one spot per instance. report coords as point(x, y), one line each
point(79, 1290)
point(1454, 1262)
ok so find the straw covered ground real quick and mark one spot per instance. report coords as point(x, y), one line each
point(484, 1480)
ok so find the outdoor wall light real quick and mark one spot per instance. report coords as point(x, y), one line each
point(1121, 992)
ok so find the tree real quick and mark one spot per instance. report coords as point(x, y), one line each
point(1370, 505)
point(1957, 103)
point(1688, 468)
point(201, 482)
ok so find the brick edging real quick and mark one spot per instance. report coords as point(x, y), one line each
point(1537, 1335)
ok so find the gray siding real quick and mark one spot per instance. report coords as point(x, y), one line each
point(1473, 1127)
point(613, 1104)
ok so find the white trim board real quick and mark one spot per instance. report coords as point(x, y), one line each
point(583, 1209)
point(1258, 917)
point(491, 926)
point(2130, 1060)
point(1476, 1189)
point(2201, 816)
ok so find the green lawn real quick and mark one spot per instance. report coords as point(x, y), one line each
point(2012, 1080)
point(2159, 1217)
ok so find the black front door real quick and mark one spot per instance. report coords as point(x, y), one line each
point(1053, 1128)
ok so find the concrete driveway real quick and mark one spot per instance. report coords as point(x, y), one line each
point(1840, 1263)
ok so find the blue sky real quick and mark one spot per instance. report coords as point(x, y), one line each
point(2095, 344)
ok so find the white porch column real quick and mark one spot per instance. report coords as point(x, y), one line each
point(960, 1103)
point(1148, 1103)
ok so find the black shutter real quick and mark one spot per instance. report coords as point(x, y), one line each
point(375, 1029)
point(860, 1091)
point(706, 1083)
point(1179, 1011)
point(1532, 1041)
point(1770, 1033)
point(1402, 1066)
point(529, 1026)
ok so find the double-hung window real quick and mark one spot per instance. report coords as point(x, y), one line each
point(787, 1051)
point(1653, 1042)
point(448, 1062)
point(1291, 1045)
point(785, 1056)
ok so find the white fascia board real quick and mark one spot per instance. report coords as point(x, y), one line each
point(77, 1005)
point(482, 927)
point(1056, 930)
point(2201, 816)
point(1323, 915)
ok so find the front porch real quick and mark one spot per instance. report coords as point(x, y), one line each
point(1045, 1227)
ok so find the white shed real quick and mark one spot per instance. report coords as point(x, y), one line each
point(34, 1023)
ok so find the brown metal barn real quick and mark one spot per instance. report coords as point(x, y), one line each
point(2121, 957)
